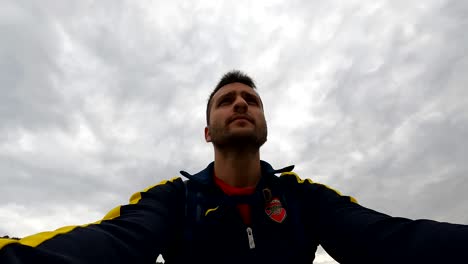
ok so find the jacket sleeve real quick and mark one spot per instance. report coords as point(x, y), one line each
point(351, 233)
point(133, 233)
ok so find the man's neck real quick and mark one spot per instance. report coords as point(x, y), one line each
point(238, 168)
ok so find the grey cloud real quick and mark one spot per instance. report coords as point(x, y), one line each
point(30, 97)
point(368, 98)
point(391, 124)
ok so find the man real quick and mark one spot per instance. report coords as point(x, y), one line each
point(238, 210)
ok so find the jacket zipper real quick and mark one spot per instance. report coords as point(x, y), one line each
point(251, 238)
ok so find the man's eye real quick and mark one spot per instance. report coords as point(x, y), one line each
point(252, 101)
point(223, 102)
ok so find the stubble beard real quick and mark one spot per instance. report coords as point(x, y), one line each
point(223, 139)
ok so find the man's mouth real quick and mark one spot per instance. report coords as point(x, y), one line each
point(246, 118)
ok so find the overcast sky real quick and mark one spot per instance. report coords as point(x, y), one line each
point(100, 99)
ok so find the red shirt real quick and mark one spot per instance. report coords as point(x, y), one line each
point(244, 209)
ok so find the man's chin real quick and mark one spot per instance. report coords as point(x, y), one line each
point(240, 141)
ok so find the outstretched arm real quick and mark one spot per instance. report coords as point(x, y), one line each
point(351, 233)
point(133, 233)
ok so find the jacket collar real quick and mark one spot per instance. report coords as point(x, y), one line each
point(206, 175)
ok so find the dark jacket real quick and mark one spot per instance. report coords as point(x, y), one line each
point(290, 218)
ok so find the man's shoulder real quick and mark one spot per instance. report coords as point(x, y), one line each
point(293, 177)
point(167, 185)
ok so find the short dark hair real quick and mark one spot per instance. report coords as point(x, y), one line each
point(228, 78)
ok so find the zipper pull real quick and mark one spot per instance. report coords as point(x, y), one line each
point(251, 238)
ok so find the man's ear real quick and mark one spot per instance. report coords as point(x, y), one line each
point(207, 135)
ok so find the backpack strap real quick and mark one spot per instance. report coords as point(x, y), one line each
point(293, 204)
point(192, 210)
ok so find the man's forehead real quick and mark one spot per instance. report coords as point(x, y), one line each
point(235, 88)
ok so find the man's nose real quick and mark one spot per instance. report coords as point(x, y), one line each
point(240, 105)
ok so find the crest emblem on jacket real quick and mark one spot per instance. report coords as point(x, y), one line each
point(274, 209)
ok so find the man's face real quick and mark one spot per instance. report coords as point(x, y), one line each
point(236, 118)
